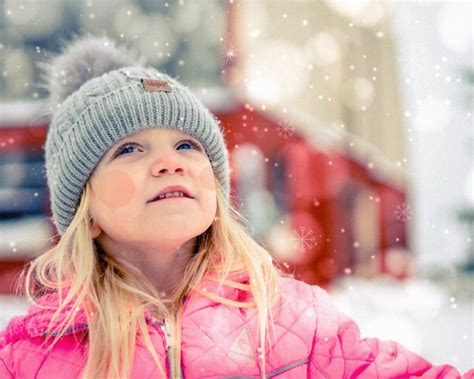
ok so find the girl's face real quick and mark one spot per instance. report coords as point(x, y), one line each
point(132, 173)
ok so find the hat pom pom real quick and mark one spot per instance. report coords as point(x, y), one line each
point(84, 58)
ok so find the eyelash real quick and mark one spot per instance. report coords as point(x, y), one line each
point(129, 144)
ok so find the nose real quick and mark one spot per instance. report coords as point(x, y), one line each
point(168, 164)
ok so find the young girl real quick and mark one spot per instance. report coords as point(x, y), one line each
point(155, 275)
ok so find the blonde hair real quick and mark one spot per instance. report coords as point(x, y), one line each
point(115, 295)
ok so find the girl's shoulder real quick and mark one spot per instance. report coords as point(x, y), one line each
point(295, 308)
point(311, 307)
point(300, 291)
point(36, 324)
point(23, 343)
point(26, 356)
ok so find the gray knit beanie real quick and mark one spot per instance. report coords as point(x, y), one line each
point(99, 94)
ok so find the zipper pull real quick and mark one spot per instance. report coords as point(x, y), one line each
point(166, 330)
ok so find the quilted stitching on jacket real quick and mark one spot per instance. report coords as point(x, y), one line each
point(309, 329)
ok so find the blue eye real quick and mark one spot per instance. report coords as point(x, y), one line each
point(124, 147)
point(191, 143)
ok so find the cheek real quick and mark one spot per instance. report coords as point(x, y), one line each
point(206, 179)
point(115, 188)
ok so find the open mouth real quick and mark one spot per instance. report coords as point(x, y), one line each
point(172, 192)
point(172, 196)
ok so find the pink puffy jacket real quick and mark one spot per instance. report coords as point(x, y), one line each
point(314, 340)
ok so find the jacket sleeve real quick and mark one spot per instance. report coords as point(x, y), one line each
point(337, 351)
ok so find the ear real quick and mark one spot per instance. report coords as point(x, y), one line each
point(95, 230)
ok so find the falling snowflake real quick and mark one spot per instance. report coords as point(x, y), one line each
point(230, 53)
point(215, 328)
point(402, 212)
point(285, 129)
point(304, 238)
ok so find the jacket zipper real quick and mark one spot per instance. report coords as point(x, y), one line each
point(165, 327)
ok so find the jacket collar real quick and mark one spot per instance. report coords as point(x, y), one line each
point(36, 321)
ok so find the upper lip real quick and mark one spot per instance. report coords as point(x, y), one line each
point(182, 189)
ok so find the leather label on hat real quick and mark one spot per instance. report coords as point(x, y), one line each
point(155, 85)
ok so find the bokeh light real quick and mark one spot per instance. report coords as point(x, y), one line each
point(363, 13)
point(277, 72)
point(18, 71)
point(32, 18)
point(357, 93)
point(324, 48)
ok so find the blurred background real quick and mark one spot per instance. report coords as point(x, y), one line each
point(349, 127)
